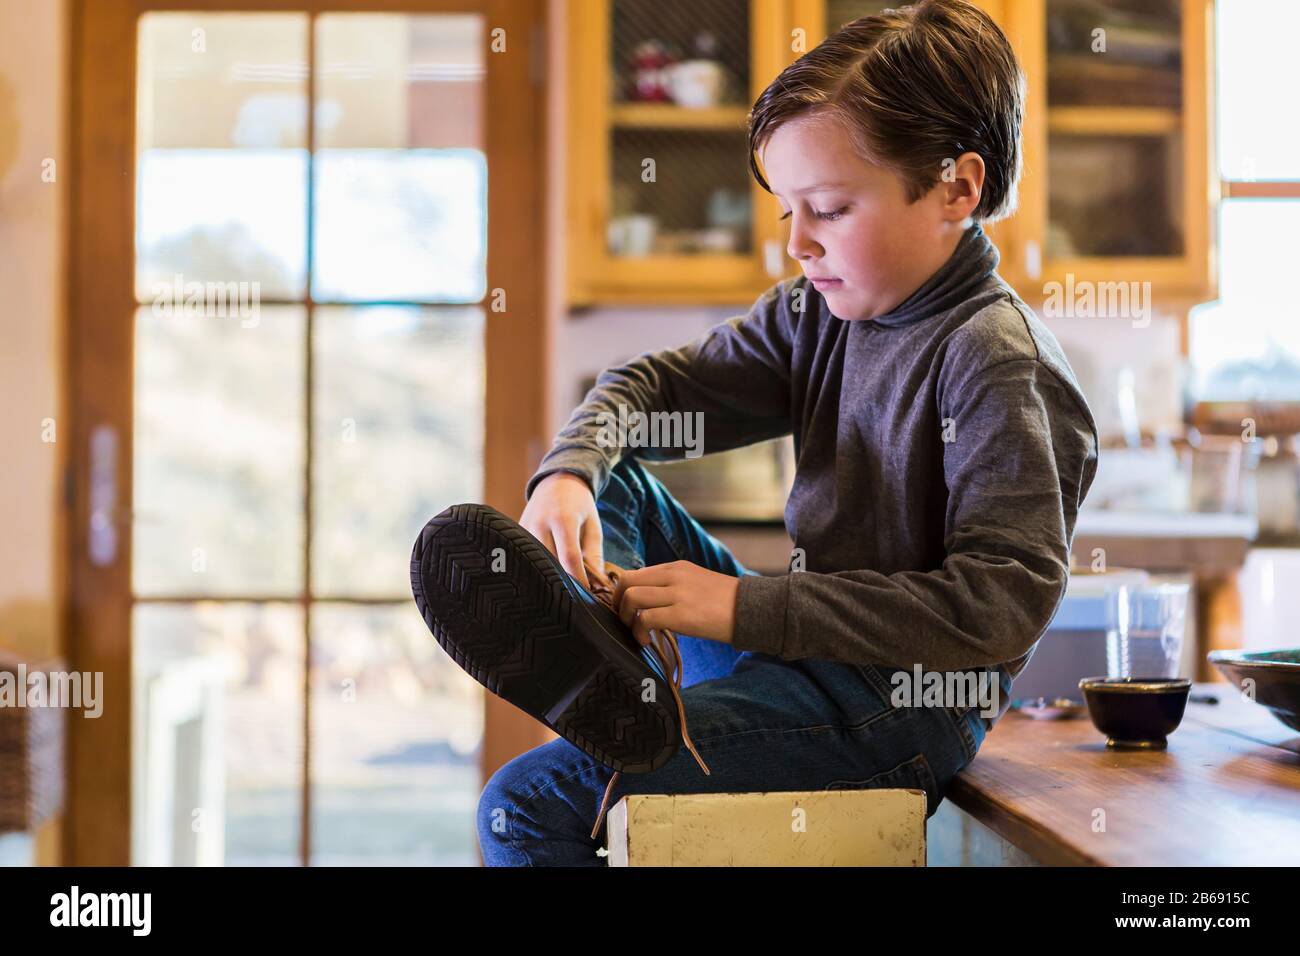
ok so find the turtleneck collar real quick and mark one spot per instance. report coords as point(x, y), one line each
point(973, 261)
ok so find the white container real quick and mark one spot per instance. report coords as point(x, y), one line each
point(696, 84)
point(632, 235)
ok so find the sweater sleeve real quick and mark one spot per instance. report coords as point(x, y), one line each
point(1021, 458)
point(730, 387)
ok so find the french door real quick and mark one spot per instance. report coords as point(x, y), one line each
point(305, 317)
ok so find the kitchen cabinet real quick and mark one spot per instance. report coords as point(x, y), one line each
point(1117, 184)
point(661, 205)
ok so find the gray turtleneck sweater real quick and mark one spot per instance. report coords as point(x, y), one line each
point(943, 450)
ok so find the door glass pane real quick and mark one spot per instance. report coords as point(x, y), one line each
point(1114, 96)
point(221, 190)
point(218, 452)
point(399, 437)
point(397, 731)
point(216, 752)
point(401, 177)
point(403, 225)
point(680, 84)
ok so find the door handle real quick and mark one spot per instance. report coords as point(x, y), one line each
point(101, 539)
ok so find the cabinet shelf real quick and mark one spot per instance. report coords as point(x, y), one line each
point(1114, 120)
point(728, 119)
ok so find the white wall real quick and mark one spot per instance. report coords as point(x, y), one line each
point(33, 114)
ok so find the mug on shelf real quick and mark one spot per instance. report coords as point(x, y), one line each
point(696, 84)
point(632, 235)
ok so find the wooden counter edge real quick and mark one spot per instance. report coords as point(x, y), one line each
point(1020, 831)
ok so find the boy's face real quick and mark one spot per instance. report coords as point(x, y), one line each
point(862, 232)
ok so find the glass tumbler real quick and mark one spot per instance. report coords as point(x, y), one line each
point(1144, 629)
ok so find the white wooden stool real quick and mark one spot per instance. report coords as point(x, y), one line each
point(882, 827)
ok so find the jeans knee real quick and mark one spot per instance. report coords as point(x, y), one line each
point(493, 808)
point(495, 816)
point(525, 814)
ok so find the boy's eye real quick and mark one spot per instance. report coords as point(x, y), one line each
point(828, 216)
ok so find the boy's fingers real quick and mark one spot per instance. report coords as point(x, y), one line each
point(547, 540)
point(597, 575)
point(650, 619)
point(570, 555)
point(640, 598)
point(657, 575)
point(640, 631)
point(593, 548)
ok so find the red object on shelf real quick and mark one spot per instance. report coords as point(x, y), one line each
point(649, 67)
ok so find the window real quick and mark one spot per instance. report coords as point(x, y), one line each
point(1246, 345)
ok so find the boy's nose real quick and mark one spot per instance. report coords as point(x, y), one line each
point(801, 245)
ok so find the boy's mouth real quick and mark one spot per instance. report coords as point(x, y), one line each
point(823, 284)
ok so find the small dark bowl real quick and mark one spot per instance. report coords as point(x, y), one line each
point(1276, 675)
point(1136, 713)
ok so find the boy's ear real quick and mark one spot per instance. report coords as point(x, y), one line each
point(962, 182)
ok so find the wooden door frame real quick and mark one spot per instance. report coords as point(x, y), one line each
point(100, 348)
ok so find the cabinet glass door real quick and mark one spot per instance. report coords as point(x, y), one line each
point(1115, 130)
point(679, 81)
point(840, 12)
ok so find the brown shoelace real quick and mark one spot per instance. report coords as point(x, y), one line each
point(603, 583)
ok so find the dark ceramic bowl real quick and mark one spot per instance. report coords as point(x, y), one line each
point(1276, 677)
point(1136, 713)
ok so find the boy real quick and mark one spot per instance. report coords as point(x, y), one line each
point(943, 450)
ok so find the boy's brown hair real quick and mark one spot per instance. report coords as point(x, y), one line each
point(913, 87)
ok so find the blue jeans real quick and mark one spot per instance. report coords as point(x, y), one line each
point(759, 722)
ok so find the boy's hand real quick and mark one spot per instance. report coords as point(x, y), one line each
point(562, 515)
point(681, 596)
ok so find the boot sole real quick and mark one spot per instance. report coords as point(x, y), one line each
point(535, 638)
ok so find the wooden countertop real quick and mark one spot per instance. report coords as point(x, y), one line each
point(1225, 793)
